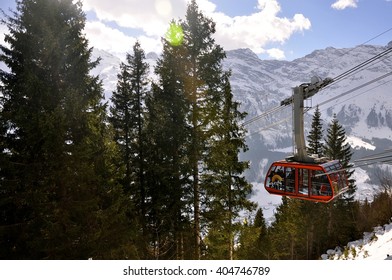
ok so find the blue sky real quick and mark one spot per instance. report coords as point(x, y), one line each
point(274, 29)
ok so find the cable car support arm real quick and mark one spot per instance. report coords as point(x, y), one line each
point(300, 93)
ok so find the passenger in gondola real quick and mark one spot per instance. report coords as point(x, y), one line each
point(277, 180)
point(270, 176)
point(325, 188)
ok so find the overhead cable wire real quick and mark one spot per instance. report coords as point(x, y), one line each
point(375, 156)
point(361, 65)
point(363, 92)
point(263, 115)
point(356, 88)
point(337, 79)
point(320, 104)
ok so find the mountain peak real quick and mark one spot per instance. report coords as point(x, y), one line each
point(243, 53)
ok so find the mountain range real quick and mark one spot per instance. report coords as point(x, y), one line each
point(362, 102)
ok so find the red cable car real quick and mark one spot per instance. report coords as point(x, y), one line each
point(315, 182)
point(303, 176)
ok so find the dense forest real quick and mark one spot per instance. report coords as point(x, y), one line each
point(154, 175)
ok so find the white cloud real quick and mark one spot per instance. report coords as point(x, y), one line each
point(276, 53)
point(109, 39)
point(152, 17)
point(343, 4)
point(257, 30)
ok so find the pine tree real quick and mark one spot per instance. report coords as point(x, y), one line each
point(202, 86)
point(254, 241)
point(168, 172)
point(336, 147)
point(127, 117)
point(227, 190)
point(315, 136)
point(56, 181)
point(341, 214)
point(286, 233)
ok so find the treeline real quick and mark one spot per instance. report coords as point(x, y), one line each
point(155, 175)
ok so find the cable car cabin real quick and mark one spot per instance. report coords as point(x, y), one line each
point(309, 181)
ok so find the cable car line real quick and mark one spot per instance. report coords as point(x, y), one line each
point(337, 79)
point(296, 175)
point(275, 109)
point(375, 37)
point(356, 88)
point(363, 92)
point(374, 157)
point(361, 65)
point(369, 160)
point(270, 111)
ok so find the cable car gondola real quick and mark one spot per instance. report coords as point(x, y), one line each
point(309, 181)
point(303, 176)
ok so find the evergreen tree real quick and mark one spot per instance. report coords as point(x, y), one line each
point(226, 188)
point(168, 172)
point(57, 189)
point(127, 117)
point(315, 136)
point(336, 147)
point(341, 213)
point(254, 241)
point(286, 230)
point(203, 88)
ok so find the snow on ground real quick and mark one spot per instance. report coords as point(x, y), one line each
point(357, 143)
point(267, 202)
point(376, 245)
point(365, 190)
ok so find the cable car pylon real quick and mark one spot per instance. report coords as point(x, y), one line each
point(300, 93)
point(301, 175)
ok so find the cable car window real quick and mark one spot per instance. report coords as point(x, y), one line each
point(315, 182)
point(303, 182)
point(290, 179)
point(275, 178)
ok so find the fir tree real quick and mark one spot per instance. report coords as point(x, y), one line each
point(57, 190)
point(127, 117)
point(341, 214)
point(202, 86)
point(254, 241)
point(226, 188)
point(168, 169)
point(315, 136)
point(336, 147)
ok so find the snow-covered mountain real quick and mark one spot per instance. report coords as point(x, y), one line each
point(259, 85)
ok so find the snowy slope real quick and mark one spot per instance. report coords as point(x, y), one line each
point(376, 245)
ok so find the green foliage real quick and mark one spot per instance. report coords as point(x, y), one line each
point(168, 161)
point(127, 118)
point(56, 180)
point(315, 136)
point(253, 241)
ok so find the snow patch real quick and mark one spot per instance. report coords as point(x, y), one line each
point(357, 143)
point(376, 245)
